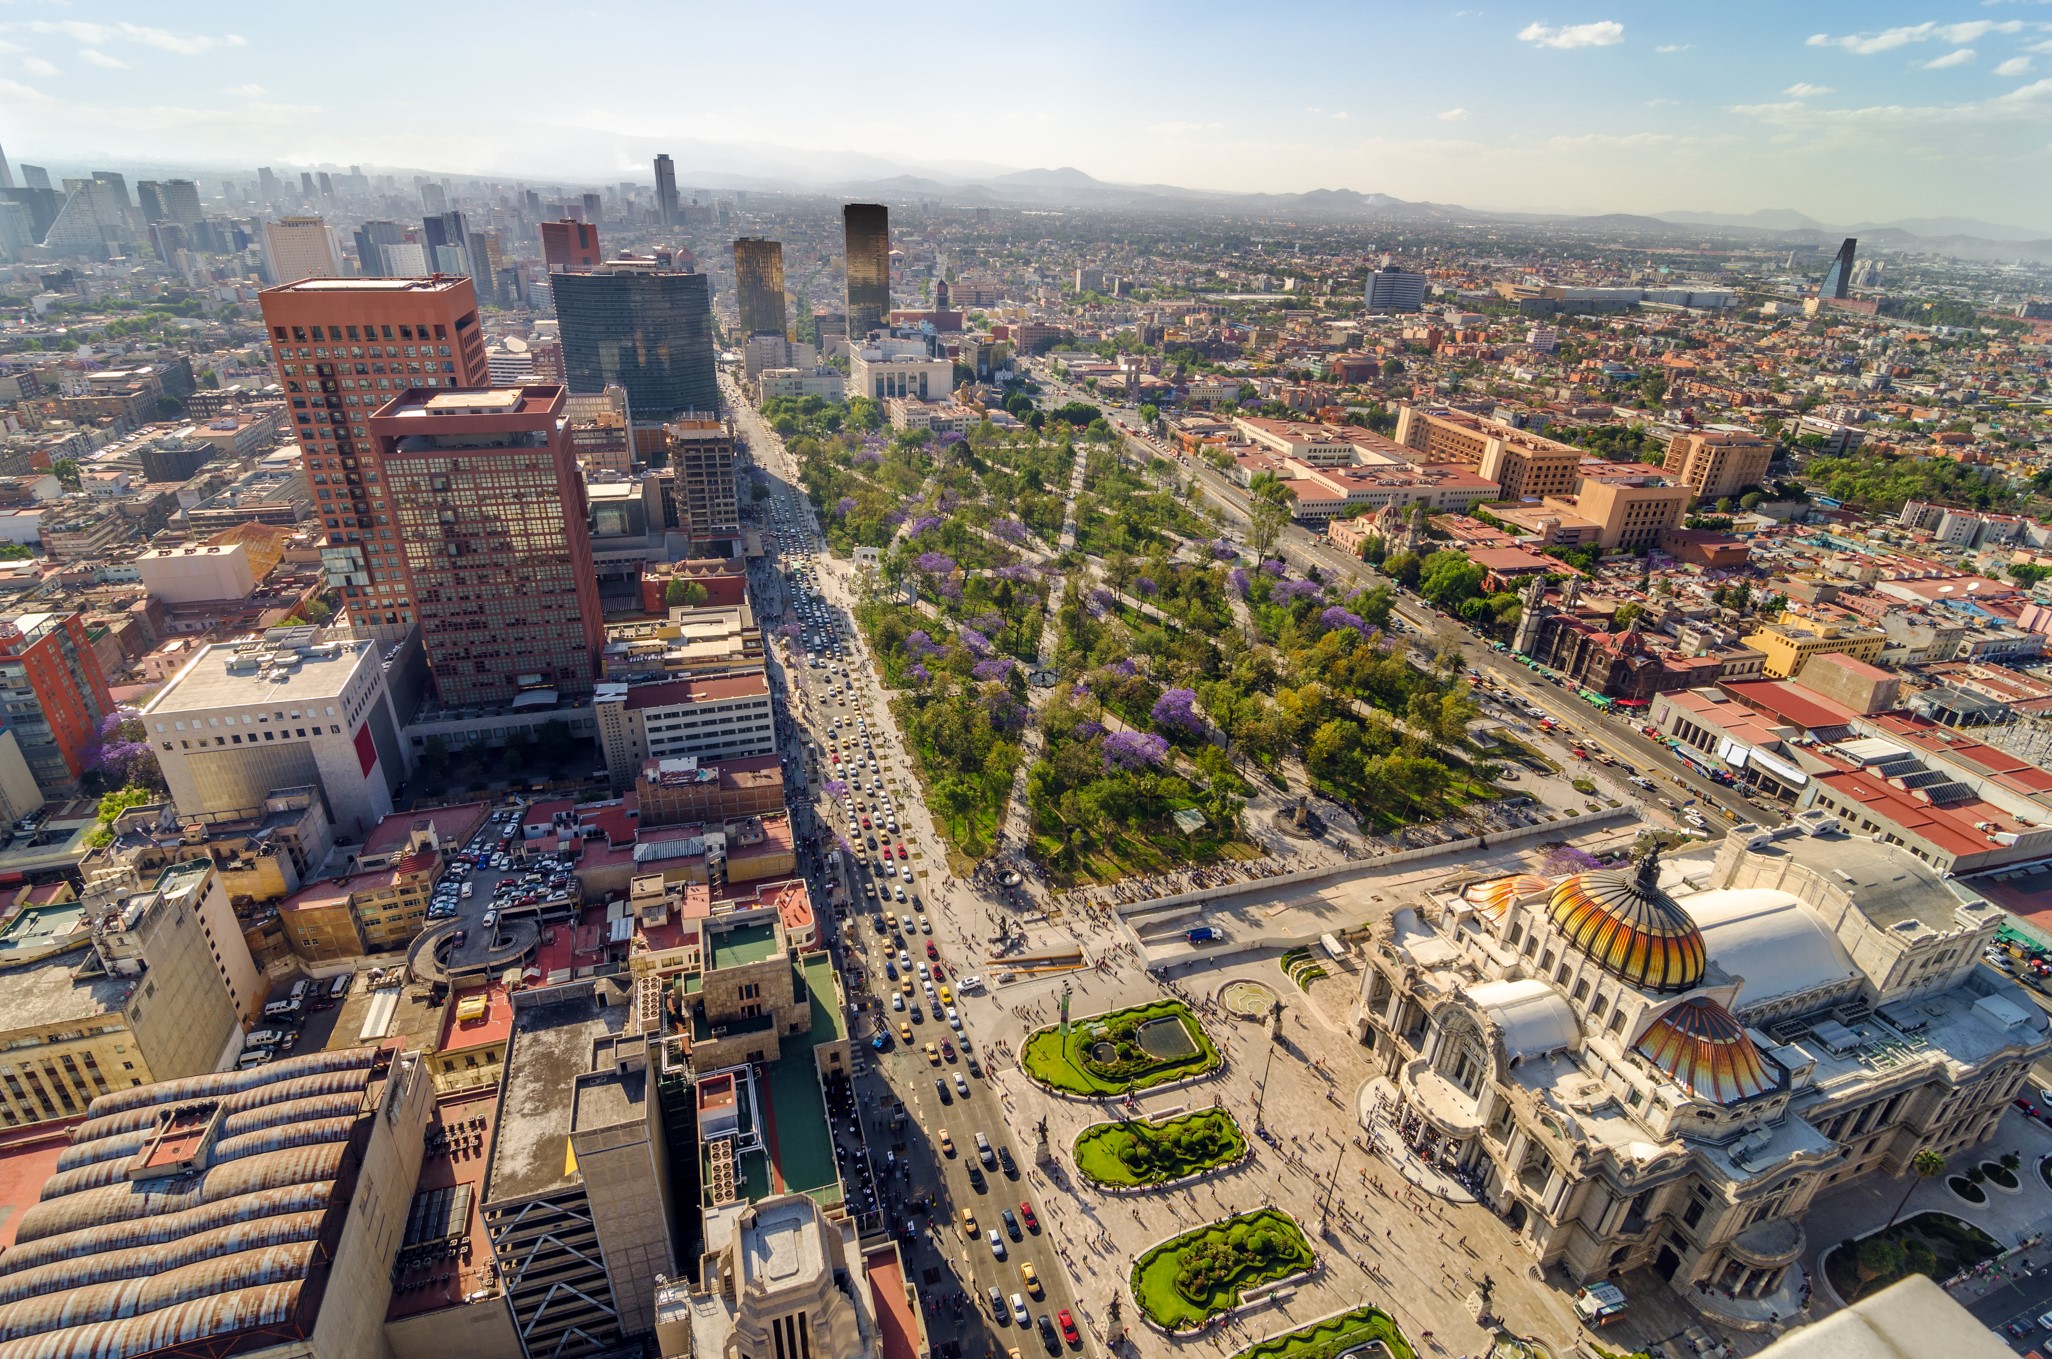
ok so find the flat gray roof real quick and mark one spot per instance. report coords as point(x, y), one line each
point(1887, 882)
point(551, 1046)
point(44, 993)
point(207, 682)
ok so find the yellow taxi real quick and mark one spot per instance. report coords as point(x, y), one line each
point(1032, 1279)
point(933, 1054)
point(969, 1227)
point(947, 997)
point(904, 1032)
point(947, 1143)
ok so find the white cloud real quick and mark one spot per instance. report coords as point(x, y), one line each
point(1888, 39)
point(36, 66)
point(1661, 103)
point(2026, 103)
point(1454, 116)
point(1803, 89)
point(1960, 57)
point(1183, 129)
point(1341, 116)
point(247, 91)
point(1674, 47)
point(92, 56)
point(163, 39)
point(21, 91)
point(2015, 66)
point(1602, 33)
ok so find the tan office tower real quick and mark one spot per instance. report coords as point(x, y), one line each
point(300, 247)
point(344, 347)
point(759, 287)
point(867, 228)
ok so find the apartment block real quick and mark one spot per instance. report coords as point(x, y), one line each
point(1631, 505)
point(1716, 464)
point(136, 983)
point(53, 694)
point(724, 717)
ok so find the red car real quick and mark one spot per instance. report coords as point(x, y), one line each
point(1068, 1325)
point(932, 949)
point(1026, 1216)
point(865, 823)
point(902, 854)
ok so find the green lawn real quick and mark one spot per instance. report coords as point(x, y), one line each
point(1132, 1154)
point(1189, 1278)
point(1333, 1336)
point(1071, 1066)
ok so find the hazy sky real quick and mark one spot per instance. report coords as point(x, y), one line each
point(1845, 111)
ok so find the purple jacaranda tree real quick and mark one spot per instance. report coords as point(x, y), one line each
point(1134, 750)
point(1290, 591)
point(844, 505)
point(1007, 718)
point(1087, 730)
point(1145, 587)
point(1011, 530)
point(1237, 578)
point(868, 457)
point(996, 668)
point(1176, 710)
point(1563, 860)
point(919, 644)
point(978, 644)
point(1273, 567)
point(925, 523)
point(935, 563)
point(1223, 550)
point(1337, 617)
point(918, 673)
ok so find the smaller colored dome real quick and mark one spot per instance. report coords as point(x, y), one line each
point(1630, 927)
point(1706, 1049)
point(1496, 897)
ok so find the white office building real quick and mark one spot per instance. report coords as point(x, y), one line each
point(279, 711)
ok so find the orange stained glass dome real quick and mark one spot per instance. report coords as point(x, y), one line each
point(1496, 897)
point(1705, 1048)
point(1631, 928)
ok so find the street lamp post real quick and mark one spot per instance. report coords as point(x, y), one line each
point(1261, 1093)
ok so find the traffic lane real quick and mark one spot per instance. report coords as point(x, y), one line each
point(2021, 1300)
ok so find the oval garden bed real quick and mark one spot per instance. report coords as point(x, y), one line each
point(1966, 1189)
point(1188, 1279)
point(1120, 1050)
point(2000, 1175)
point(1334, 1336)
point(1133, 1155)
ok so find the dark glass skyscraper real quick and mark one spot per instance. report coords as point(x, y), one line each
point(759, 286)
point(1838, 278)
point(867, 227)
point(643, 326)
point(666, 190)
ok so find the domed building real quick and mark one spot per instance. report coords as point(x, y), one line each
point(1659, 1065)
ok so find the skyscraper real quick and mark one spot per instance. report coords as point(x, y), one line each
point(35, 177)
point(867, 229)
point(6, 173)
point(153, 209)
point(414, 333)
point(447, 241)
point(432, 199)
point(645, 327)
point(569, 246)
point(1838, 278)
point(666, 190)
point(300, 247)
point(759, 286)
point(491, 515)
point(181, 201)
point(54, 695)
point(371, 239)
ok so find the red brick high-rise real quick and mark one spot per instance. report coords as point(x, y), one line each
point(491, 508)
point(344, 347)
point(569, 245)
point(54, 695)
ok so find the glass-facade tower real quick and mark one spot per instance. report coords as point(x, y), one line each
point(644, 327)
point(759, 286)
point(868, 231)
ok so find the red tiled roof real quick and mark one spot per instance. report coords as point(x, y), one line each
point(711, 689)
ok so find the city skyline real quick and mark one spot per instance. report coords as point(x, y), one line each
point(1843, 113)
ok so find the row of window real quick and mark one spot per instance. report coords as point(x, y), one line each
point(302, 334)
